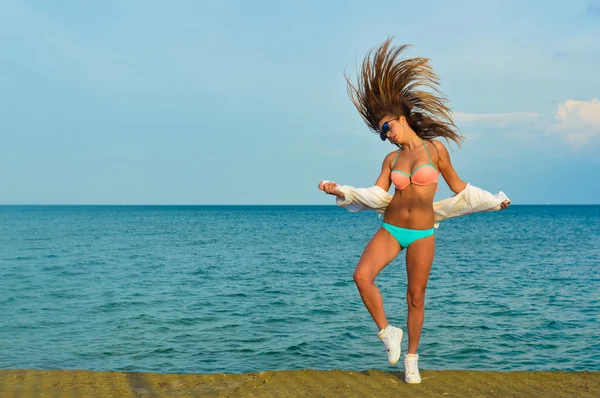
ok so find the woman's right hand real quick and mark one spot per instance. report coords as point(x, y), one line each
point(329, 187)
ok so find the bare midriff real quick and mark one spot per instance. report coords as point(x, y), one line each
point(412, 207)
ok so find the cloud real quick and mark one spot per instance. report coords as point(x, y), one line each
point(594, 10)
point(497, 119)
point(578, 121)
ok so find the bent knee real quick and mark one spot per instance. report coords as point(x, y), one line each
point(362, 278)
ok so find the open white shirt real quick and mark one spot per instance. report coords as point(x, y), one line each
point(470, 200)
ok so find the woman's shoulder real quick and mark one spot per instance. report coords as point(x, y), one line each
point(393, 153)
point(439, 146)
point(389, 158)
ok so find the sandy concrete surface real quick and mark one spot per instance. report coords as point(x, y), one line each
point(297, 383)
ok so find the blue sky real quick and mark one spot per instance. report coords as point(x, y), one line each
point(244, 102)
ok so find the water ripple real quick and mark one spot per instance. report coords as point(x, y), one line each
point(160, 289)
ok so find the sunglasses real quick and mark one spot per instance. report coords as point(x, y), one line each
point(385, 129)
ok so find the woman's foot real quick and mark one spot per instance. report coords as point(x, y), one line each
point(391, 337)
point(411, 369)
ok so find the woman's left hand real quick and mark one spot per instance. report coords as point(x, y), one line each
point(504, 204)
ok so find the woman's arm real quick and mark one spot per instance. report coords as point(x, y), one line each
point(445, 167)
point(383, 181)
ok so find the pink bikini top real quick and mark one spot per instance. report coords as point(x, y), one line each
point(425, 174)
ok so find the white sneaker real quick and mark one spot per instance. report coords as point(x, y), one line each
point(411, 369)
point(391, 337)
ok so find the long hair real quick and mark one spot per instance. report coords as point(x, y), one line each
point(388, 85)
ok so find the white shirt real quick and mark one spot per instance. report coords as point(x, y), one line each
point(470, 200)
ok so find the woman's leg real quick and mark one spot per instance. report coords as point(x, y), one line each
point(380, 251)
point(419, 258)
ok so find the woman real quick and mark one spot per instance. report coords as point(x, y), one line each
point(389, 102)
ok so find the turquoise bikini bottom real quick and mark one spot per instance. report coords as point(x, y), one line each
point(406, 236)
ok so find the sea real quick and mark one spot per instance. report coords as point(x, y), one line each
point(235, 289)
